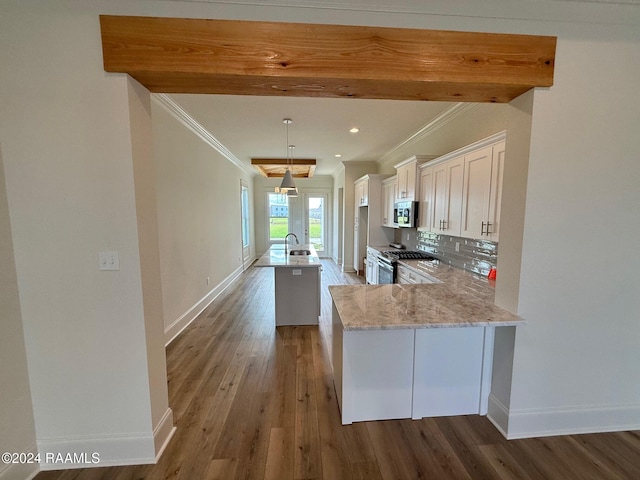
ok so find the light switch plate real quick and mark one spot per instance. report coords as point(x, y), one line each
point(109, 260)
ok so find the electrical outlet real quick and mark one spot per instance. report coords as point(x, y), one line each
point(457, 246)
point(109, 261)
point(407, 236)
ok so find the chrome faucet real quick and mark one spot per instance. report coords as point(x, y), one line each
point(287, 236)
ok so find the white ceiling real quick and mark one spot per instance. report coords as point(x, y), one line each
point(250, 126)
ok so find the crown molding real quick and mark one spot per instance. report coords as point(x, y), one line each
point(484, 142)
point(440, 121)
point(177, 112)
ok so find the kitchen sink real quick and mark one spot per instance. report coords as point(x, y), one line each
point(300, 252)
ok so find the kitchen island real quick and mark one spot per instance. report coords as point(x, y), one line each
point(413, 351)
point(297, 283)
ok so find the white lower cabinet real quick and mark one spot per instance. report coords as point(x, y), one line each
point(407, 275)
point(448, 367)
point(377, 375)
point(411, 373)
point(372, 266)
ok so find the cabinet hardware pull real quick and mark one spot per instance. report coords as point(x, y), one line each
point(482, 229)
point(488, 225)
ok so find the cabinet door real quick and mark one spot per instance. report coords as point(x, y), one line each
point(401, 182)
point(439, 197)
point(389, 198)
point(374, 270)
point(495, 200)
point(426, 199)
point(362, 193)
point(407, 177)
point(365, 193)
point(455, 178)
point(476, 193)
point(448, 366)
point(403, 275)
point(411, 181)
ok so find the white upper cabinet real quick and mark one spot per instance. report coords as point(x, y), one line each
point(362, 192)
point(389, 187)
point(447, 197)
point(451, 207)
point(495, 201)
point(460, 193)
point(407, 173)
point(476, 192)
point(425, 208)
point(482, 192)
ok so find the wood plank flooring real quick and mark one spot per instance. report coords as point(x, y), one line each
point(252, 401)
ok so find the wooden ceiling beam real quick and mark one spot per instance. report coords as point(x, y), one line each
point(283, 161)
point(275, 167)
point(178, 55)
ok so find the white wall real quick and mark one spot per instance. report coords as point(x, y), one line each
point(575, 365)
point(17, 429)
point(67, 150)
point(200, 233)
point(148, 246)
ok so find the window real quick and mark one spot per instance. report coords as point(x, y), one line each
point(245, 216)
point(278, 207)
point(245, 222)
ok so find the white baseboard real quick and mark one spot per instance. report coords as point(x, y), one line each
point(498, 414)
point(163, 433)
point(514, 424)
point(247, 263)
point(182, 322)
point(104, 450)
point(21, 471)
point(64, 453)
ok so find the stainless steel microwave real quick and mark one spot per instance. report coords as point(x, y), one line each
point(406, 214)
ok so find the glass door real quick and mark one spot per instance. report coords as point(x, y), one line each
point(316, 222)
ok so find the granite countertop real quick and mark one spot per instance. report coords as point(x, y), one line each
point(278, 256)
point(463, 299)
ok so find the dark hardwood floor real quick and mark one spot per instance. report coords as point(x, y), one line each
point(252, 401)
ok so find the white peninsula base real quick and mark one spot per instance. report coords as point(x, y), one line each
point(411, 373)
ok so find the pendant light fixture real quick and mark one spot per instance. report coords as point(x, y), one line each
point(291, 192)
point(287, 186)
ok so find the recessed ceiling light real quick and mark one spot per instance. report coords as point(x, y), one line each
point(338, 155)
point(354, 130)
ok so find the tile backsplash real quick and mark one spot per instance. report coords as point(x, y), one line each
point(477, 256)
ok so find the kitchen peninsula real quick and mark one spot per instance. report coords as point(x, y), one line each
point(413, 351)
point(297, 271)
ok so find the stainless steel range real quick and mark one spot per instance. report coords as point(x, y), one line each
point(388, 262)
